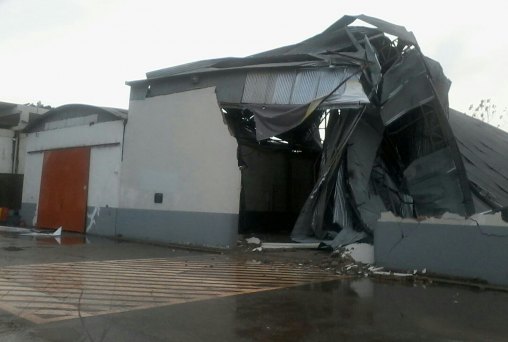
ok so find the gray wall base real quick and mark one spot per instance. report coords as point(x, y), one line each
point(170, 227)
point(27, 213)
point(178, 227)
point(101, 221)
point(465, 251)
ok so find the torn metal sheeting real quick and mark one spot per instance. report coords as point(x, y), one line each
point(37, 234)
point(483, 148)
point(391, 142)
point(14, 229)
point(296, 87)
point(56, 233)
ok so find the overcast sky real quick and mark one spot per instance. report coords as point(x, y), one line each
point(83, 51)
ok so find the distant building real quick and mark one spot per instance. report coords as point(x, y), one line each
point(73, 161)
point(13, 118)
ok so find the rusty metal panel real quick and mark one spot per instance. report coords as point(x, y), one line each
point(64, 189)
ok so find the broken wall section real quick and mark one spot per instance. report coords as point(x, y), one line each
point(180, 180)
point(452, 246)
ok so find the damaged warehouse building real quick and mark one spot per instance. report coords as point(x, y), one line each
point(391, 145)
point(318, 139)
point(13, 119)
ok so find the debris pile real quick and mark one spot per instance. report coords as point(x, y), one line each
point(353, 260)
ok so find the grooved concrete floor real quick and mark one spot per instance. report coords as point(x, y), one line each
point(109, 291)
point(45, 293)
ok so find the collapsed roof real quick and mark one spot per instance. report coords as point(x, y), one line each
point(389, 145)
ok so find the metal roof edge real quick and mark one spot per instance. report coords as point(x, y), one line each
point(117, 112)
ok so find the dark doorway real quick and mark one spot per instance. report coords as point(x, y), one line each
point(275, 185)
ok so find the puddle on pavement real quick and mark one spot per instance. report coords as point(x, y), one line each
point(52, 292)
point(12, 232)
point(20, 233)
point(12, 249)
point(61, 240)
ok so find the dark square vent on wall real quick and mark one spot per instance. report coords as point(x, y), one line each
point(157, 198)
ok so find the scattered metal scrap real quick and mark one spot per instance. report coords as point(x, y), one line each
point(56, 233)
point(398, 152)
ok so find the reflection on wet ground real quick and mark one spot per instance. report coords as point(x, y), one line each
point(63, 240)
point(45, 237)
point(12, 249)
point(50, 292)
point(111, 291)
point(338, 310)
point(363, 309)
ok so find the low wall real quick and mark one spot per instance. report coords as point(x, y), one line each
point(475, 248)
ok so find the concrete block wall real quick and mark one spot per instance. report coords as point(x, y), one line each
point(473, 248)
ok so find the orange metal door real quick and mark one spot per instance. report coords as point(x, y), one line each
point(64, 189)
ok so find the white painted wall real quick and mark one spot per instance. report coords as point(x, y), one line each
point(22, 153)
point(6, 150)
point(32, 177)
point(179, 145)
point(97, 134)
point(77, 121)
point(104, 177)
point(105, 160)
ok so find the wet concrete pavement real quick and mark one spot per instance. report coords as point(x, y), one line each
point(165, 294)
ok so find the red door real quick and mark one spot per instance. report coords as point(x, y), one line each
point(64, 189)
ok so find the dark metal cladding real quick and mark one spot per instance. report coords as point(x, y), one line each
point(390, 144)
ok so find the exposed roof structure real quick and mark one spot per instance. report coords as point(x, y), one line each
point(16, 116)
point(391, 142)
point(483, 148)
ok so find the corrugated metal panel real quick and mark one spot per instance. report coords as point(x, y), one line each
point(305, 88)
point(351, 92)
point(330, 79)
point(270, 88)
point(283, 87)
point(255, 87)
point(78, 121)
point(342, 214)
point(298, 87)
